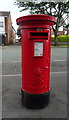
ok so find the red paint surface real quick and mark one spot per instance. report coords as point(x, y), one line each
point(35, 76)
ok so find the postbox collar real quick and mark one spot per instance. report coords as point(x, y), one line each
point(37, 17)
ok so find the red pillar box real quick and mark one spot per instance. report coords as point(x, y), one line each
point(36, 41)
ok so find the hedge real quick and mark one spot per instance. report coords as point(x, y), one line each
point(62, 38)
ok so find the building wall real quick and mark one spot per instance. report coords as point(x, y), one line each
point(9, 29)
point(8, 24)
point(13, 35)
point(6, 29)
point(2, 25)
point(60, 32)
point(2, 29)
point(10, 33)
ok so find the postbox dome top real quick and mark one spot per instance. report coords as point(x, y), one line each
point(36, 17)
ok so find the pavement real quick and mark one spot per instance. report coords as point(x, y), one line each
point(11, 85)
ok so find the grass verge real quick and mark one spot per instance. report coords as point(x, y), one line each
point(60, 46)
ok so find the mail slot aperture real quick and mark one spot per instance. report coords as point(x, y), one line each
point(38, 35)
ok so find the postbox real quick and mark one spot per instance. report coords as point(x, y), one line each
point(36, 41)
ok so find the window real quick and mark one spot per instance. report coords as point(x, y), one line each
point(1, 24)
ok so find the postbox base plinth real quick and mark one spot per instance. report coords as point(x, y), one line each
point(35, 101)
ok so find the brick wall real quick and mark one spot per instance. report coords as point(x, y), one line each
point(10, 34)
point(8, 24)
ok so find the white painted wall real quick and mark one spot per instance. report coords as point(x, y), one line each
point(2, 28)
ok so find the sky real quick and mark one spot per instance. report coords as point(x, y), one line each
point(8, 5)
point(42, 0)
